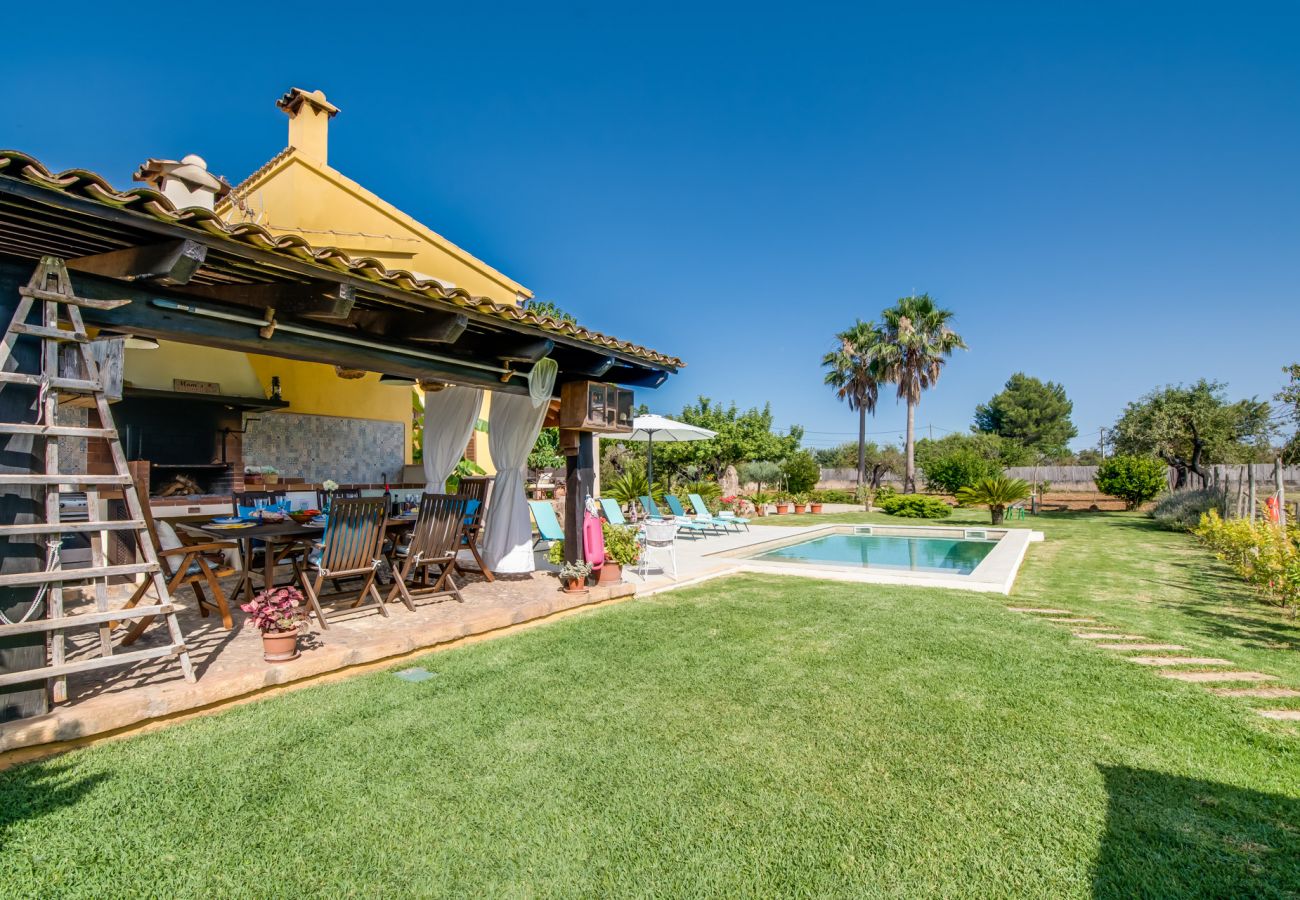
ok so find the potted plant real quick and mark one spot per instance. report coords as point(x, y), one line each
point(814, 503)
point(573, 575)
point(760, 501)
point(621, 549)
point(279, 614)
point(801, 501)
point(782, 503)
point(268, 474)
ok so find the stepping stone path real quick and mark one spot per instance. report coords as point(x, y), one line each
point(1108, 638)
point(1178, 660)
point(1140, 646)
point(1218, 676)
point(1266, 693)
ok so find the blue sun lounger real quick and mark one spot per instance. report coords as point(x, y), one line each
point(648, 504)
point(702, 512)
point(679, 513)
point(548, 526)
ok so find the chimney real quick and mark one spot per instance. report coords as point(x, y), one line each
point(309, 122)
point(186, 183)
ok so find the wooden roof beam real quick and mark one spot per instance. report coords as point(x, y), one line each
point(170, 262)
point(317, 300)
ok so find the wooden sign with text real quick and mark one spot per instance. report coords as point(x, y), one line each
point(185, 386)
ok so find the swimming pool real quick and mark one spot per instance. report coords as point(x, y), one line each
point(953, 556)
point(950, 556)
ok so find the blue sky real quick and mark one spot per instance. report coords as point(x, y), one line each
point(1107, 195)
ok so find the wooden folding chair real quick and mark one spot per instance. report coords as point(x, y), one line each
point(192, 564)
point(475, 487)
point(350, 548)
point(283, 551)
point(323, 498)
point(434, 542)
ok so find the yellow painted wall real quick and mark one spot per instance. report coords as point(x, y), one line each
point(301, 194)
point(309, 388)
point(320, 204)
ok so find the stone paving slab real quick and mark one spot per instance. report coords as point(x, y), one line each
point(1218, 676)
point(1072, 621)
point(1131, 646)
point(1040, 609)
point(1108, 636)
point(1287, 715)
point(1267, 693)
point(1178, 660)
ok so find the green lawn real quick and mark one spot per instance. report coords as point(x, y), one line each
point(755, 735)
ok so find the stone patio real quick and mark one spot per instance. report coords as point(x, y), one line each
point(229, 664)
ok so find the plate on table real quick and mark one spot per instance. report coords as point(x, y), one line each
point(227, 520)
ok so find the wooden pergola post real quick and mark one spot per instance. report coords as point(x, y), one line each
point(579, 482)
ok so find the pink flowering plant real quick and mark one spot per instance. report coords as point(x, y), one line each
point(279, 609)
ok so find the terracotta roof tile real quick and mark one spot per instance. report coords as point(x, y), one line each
point(85, 183)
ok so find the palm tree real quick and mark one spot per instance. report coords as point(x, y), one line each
point(996, 493)
point(916, 342)
point(854, 371)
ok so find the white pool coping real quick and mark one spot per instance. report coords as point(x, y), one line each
point(996, 573)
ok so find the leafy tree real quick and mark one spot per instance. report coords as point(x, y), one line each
point(546, 450)
point(742, 435)
point(1088, 457)
point(1033, 412)
point(1133, 479)
point(880, 460)
point(957, 469)
point(801, 472)
point(996, 449)
point(1192, 426)
point(1289, 397)
point(916, 341)
point(855, 371)
point(547, 308)
point(997, 493)
point(761, 472)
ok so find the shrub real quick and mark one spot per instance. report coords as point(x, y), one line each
point(801, 472)
point(996, 493)
point(1133, 479)
point(833, 495)
point(915, 506)
point(710, 492)
point(1182, 510)
point(621, 546)
point(952, 471)
point(630, 486)
point(1262, 553)
point(763, 473)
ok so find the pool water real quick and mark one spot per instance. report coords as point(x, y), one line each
point(877, 551)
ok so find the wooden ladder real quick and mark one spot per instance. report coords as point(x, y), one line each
point(48, 290)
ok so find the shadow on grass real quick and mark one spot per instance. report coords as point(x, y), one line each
point(1168, 836)
point(37, 789)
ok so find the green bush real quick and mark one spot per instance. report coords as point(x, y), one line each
point(801, 472)
point(957, 469)
point(1182, 510)
point(1264, 554)
point(833, 495)
point(1133, 479)
point(710, 492)
point(621, 546)
point(915, 506)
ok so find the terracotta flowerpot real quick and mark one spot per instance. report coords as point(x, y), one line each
point(782, 509)
point(610, 573)
point(576, 586)
point(269, 479)
point(280, 646)
point(799, 508)
point(814, 507)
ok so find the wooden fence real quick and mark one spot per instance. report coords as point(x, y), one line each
point(1080, 478)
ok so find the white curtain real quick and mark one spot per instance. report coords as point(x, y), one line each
point(449, 417)
point(516, 420)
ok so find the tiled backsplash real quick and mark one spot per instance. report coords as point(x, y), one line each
point(319, 447)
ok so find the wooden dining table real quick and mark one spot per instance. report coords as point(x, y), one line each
point(272, 534)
